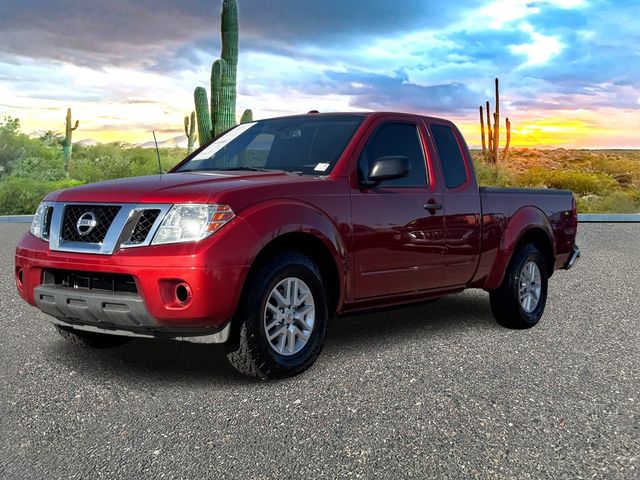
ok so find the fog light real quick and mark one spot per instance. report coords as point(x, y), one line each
point(19, 277)
point(183, 293)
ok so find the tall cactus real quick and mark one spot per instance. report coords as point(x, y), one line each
point(190, 131)
point(505, 154)
point(218, 73)
point(484, 143)
point(205, 127)
point(229, 53)
point(68, 133)
point(491, 147)
point(221, 112)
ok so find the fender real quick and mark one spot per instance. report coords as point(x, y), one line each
point(274, 218)
point(522, 221)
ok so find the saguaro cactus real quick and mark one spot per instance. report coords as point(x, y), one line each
point(491, 147)
point(190, 131)
point(484, 143)
point(229, 53)
point(205, 127)
point(505, 154)
point(221, 112)
point(68, 133)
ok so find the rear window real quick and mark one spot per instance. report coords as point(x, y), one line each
point(453, 166)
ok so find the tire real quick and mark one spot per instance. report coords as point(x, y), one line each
point(506, 301)
point(91, 339)
point(250, 350)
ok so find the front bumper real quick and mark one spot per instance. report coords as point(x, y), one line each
point(573, 258)
point(214, 280)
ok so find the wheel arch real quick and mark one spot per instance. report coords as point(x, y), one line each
point(313, 247)
point(305, 229)
point(527, 225)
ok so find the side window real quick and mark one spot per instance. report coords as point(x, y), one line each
point(399, 139)
point(453, 165)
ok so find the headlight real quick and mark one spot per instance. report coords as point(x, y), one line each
point(189, 223)
point(41, 223)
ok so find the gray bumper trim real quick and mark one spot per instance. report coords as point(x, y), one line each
point(111, 313)
point(124, 310)
point(575, 255)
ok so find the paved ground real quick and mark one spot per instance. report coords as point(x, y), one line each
point(430, 391)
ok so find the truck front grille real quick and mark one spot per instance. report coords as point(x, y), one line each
point(103, 216)
point(102, 228)
point(143, 227)
point(76, 279)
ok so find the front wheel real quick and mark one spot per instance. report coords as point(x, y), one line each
point(520, 301)
point(281, 323)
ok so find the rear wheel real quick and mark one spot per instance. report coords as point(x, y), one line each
point(281, 323)
point(91, 339)
point(520, 301)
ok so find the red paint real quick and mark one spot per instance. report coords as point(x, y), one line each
point(387, 248)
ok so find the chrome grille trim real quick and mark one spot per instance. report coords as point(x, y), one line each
point(118, 234)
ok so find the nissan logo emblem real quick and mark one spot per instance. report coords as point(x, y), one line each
point(86, 223)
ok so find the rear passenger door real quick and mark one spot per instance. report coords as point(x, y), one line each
point(461, 205)
point(398, 244)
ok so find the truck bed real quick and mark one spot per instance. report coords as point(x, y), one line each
point(500, 205)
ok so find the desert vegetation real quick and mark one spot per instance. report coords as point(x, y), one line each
point(603, 181)
point(31, 167)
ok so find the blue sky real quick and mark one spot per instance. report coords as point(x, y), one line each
point(569, 69)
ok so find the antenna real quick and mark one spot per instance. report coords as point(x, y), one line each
point(157, 152)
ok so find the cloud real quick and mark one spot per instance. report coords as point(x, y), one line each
point(381, 92)
point(130, 32)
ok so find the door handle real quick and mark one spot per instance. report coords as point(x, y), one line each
point(432, 206)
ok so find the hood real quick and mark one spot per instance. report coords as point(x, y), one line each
point(176, 187)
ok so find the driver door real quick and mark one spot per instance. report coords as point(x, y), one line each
point(398, 239)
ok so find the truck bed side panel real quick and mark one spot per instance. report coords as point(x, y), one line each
point(499, 208)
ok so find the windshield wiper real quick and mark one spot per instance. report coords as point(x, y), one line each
point(249, 169)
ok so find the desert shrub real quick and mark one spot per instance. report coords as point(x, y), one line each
point(108, 161)
point(22, 195)
point(493, 175)
point(24, 156)
point(579, 182)
point(614, 202)
point(624, 169)
point(48, 166)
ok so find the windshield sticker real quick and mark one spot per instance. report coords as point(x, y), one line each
point(321, 167)
point(222, 141)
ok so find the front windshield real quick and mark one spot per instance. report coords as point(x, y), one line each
point(310, 145)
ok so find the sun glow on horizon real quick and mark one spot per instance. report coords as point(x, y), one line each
point(593, 130)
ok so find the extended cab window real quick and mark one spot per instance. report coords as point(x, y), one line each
point(453, 166)
point(309, 144)
point(395, 139)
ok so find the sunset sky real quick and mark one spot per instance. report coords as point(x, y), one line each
point(569, 69)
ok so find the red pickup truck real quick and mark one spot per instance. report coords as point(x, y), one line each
point(258, 238)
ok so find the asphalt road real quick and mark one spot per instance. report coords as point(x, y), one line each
point(437, 391)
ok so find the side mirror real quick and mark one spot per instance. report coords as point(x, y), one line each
point(387, 168)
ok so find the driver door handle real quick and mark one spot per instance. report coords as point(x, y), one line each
point(432, 206)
